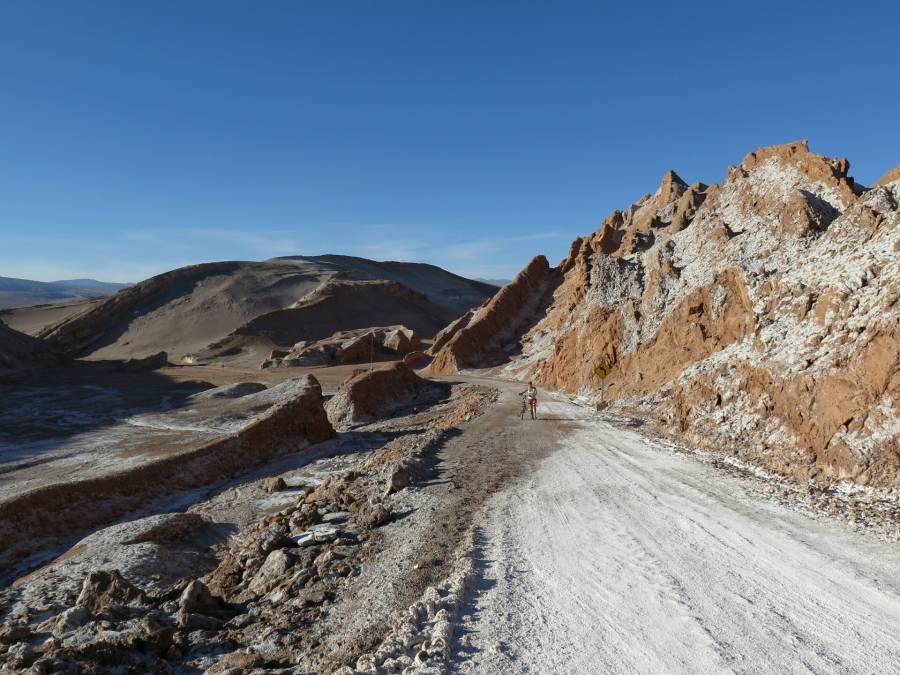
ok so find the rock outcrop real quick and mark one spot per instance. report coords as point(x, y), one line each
point(492, 332)
point(370, 394)
point(103, 588)
point(355, 346)
point(761, 314)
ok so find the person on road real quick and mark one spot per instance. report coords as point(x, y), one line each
point(530, 399)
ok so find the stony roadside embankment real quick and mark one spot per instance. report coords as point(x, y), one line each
point(269, 599)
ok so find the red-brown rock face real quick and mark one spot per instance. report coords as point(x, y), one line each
point(368, 395)
point(761, 315)
point(484, 339)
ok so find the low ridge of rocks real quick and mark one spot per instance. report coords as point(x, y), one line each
point(291, 417)
point(354, 346)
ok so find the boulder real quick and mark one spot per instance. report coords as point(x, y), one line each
point(269, 539)
point(379, 514)
point(197, 599)
point(103, 588)
point(276, 564)
point(274, 484)
point(70, 620)
point(190, 621)
point(401, 340)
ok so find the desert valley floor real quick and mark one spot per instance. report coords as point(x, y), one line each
point(579, 542)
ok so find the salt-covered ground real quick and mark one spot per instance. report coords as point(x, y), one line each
point(619, 555)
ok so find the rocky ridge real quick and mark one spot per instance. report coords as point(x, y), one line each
point(354, 346)
point(486, 336)
point(760, 314)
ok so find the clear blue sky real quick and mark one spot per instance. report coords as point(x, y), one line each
point(140, 136)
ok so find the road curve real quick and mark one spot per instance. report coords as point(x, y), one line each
point(617, 555)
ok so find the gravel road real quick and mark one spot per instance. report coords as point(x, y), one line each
point(615, 554)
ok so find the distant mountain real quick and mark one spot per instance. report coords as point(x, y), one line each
point(494, 282)
point(106, 286)
point(25, 292)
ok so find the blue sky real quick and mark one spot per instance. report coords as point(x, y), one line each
point(136, 137)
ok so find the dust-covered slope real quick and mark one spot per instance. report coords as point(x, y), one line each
point(33, 319)
point(760, 314)
point(185, 310)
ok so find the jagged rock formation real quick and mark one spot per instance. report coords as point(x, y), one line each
point(490, 333)
point(761, 314)
point(370, 394)
point(356, 346)
point(186, 310)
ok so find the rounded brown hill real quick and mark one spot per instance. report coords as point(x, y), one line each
point(187, 309)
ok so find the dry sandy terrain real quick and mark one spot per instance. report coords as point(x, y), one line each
point(70, 427)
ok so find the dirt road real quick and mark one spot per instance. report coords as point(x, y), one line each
point(616, 554)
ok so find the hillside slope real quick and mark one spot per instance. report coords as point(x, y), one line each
point(335, 305)
point(761, 314)
point(185, 310)
point(32, 319)
point(18, 350)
